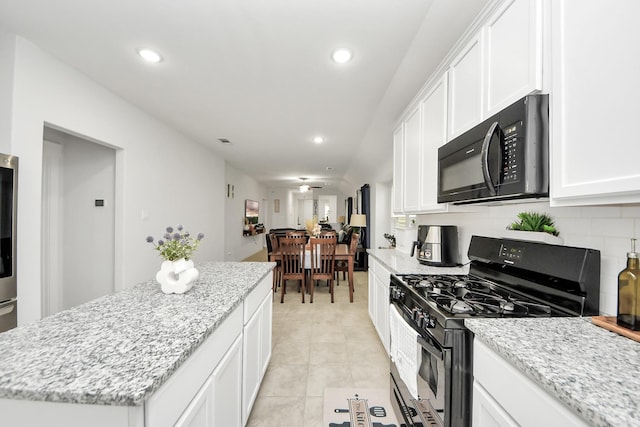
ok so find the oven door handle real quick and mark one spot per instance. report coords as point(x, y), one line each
point(431, 348)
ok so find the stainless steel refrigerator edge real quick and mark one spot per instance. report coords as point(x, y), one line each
point(8, 213)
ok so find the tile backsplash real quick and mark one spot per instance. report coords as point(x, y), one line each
point(606, 228)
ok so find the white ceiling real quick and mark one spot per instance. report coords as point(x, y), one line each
point(258, 72)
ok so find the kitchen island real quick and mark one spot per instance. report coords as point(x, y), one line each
point(138, 357)
point(592, 371)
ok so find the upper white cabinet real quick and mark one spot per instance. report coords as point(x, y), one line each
point(434, 134)
point(412, 149)
point(513, 54)
point(595, 92)
point(416, 143)
point(465, 88)
point(500, 64)
point(398, 168)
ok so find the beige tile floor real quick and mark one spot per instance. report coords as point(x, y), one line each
point(318, 346)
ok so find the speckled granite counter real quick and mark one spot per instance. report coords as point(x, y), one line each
point(591, 370)
point(120, 348)
point(399, 262)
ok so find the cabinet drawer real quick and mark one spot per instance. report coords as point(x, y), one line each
point(255, 297)
point(524, 400)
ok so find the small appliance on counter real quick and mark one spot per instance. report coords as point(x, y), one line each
point(437, 245)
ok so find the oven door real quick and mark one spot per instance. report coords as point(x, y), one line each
point(429, 408)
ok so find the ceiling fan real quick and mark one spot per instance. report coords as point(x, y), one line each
point(304, 187)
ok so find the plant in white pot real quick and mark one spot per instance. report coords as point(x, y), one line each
point(177, 272)
point(534, 226)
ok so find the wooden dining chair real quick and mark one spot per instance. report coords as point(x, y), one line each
point(292, 252)
point(323, 251)
point(328, 233)
point(343, 266)
point(277, 271)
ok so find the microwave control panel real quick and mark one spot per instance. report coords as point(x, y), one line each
point(512, 152)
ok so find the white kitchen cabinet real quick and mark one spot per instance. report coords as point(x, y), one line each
point(182, 396)
point(379, 299)
point(503, 396)
point(594, 95)
point(411, 154)
point(256, 348)
point(465, 88)
point(419, 135)
point(500, 64)
point(513, 54)
point(433, 108)
point(226, 384)
point(397, 190)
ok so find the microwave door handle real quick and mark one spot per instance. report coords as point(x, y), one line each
point(485, 158)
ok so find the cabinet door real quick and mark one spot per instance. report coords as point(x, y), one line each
point(412, 150)
point(513, 54)
point(227, 389)
point(595, 155)
point(382, 310)
point(372, 293)
point(434, 134)
point(256, 352)
point(487, 412)
point(465, 88)
point(199, 413)
point(398, 166)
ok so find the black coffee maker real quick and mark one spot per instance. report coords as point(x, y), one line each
point(437, 245)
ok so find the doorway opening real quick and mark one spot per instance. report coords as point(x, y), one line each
point(78, 220)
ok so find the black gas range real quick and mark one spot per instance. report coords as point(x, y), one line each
point(507, 278)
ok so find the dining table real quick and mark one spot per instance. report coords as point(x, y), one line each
point(342, 254)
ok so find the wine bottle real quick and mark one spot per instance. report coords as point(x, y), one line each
point(629, 292)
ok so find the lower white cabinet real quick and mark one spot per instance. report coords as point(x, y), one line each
point(218, 403)
point(256, 350)
point(504, 397)
point(379, 299)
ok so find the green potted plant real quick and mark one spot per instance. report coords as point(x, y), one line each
point(534, 226)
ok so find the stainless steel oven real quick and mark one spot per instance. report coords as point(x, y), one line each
point(8, 211)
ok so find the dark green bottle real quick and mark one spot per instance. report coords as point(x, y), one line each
point(629, 292)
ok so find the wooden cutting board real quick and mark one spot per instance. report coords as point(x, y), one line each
point(609, 323)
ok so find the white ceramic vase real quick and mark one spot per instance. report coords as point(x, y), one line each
point(177, 277)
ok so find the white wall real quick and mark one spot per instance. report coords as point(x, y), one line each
point(7, 45)
point(162, 177)
point(606, 228)
point(237, 246)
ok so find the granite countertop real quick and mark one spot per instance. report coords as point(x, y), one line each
point(120, 348)
point(399, 262)
point(591, 370)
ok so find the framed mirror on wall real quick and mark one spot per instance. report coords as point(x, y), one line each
point(252, 223)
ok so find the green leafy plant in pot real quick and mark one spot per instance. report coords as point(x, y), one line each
point(534, 221)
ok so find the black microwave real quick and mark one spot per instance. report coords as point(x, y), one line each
point(505, 157)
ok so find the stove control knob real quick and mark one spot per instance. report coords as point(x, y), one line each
point(429, 322)
point(396, 294)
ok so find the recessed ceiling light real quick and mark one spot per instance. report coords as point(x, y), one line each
point(318, 140)
point(342, 55)
point(149, 55)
